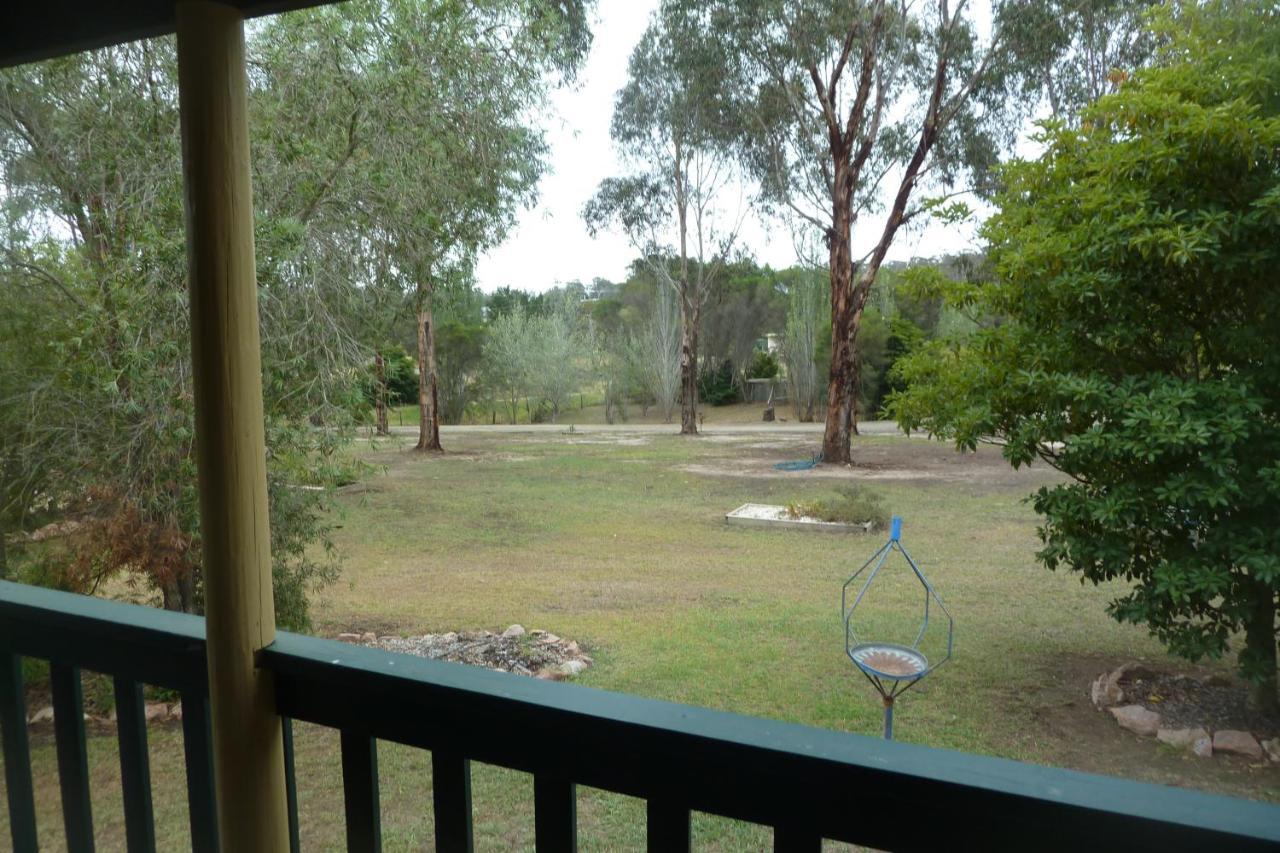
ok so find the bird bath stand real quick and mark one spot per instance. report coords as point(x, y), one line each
point(891, 667)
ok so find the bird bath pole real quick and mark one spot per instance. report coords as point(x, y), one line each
point(890, 667)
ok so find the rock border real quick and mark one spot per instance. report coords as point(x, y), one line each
point(537, 653)
point(1107, 695)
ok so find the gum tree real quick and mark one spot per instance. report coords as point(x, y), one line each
point(454, 155)
point(95, 379)
point(674, 133)
point(1135, 287)
point(870, 108)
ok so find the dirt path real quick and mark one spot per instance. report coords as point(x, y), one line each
point(762, 428)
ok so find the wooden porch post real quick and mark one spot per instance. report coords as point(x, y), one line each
point(230, 455)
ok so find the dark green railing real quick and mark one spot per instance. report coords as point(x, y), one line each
point(806, 783)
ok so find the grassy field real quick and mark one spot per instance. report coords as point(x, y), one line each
point(618, 541)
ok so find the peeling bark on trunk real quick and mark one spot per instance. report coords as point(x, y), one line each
point(428, 405)
point(847, 297)
point(843, 379)
point(380, 395)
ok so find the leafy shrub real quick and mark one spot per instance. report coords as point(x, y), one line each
point(852, 505)
point(764, 365)
point(716, 386)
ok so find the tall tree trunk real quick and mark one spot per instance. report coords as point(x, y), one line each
point(1260, 650)
point(843, 381)
point(380, 395)
point(689, 311)
point(179, 593)
point(428, 407)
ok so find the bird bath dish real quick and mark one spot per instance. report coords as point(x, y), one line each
point(889, 661)
point(891, 667)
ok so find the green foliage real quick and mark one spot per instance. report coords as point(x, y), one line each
point(368, 187)
point(402, 376)
point(95, 382)
point(459, 347)
point(718, 386)
point(763, 366)
point(853, 504)
point(1135, 285)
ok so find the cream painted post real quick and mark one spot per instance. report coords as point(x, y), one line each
point(230, 455)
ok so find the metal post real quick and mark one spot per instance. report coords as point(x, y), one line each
point(230, 448)
point(888, 718)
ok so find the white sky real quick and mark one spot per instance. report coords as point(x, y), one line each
point(550, 244)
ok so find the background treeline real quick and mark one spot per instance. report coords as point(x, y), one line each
point(516, 356)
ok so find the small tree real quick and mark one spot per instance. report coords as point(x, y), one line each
point(555, 353)
point(655, 352)
point(505, 362)
point(1135, 267)
point(806, 318)
point(676, 139)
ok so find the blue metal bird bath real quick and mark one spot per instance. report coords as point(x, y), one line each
point(891, 667)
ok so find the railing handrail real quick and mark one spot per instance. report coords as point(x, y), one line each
point(838, 785)
point(147, 644)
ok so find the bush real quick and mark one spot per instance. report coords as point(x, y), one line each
point(851, 505)
point(716, 386)
point(763, 366)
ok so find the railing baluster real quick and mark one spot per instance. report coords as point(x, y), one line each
point(73, 757)
point(291, 787)
point(17, 756)
point(794, 839)
point(555, 815)
point(360, 792)
point(198, 748)
point(135, 766)
point(668, 827)
point(451, 791)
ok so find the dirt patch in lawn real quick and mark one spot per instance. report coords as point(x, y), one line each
point(881, 460)
point(628, 439)
point(488, 457)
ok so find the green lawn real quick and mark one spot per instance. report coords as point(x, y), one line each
point(620, 543)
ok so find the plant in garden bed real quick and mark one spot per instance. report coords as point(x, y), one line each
point(852, 505)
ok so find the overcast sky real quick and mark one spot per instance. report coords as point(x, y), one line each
point(550, 244)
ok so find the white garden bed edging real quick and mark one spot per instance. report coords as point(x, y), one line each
point(776, 517)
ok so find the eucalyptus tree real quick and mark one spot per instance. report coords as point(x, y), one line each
point(673, 133)
point(96, 412)
point(852, 102)
point(1071, 52)
point(454, 157)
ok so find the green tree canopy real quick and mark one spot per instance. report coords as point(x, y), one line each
point(1136, 350)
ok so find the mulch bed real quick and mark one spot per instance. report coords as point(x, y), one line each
point(1188, 702)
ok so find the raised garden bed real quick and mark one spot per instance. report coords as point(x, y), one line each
point(777, 517)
